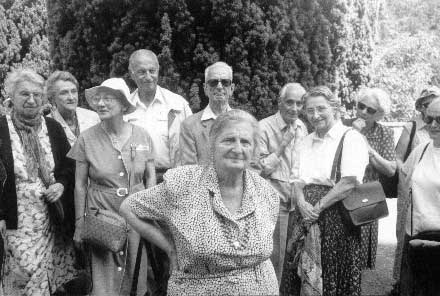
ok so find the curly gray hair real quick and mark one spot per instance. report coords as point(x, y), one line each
point(16, 76)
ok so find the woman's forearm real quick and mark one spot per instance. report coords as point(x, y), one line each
point(150, 174)
point(385, 167)
point(147, 230)
point(80, 199)
point(338, 192)
point(298, 196)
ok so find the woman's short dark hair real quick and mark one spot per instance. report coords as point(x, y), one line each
point(53, 78)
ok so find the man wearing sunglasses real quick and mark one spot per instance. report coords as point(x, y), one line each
point(194, 133)
point(281, 134)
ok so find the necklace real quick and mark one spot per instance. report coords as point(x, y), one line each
point(114, 138)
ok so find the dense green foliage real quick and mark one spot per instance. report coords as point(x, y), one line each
point(407, 54)
point(267, 42)
point(23, 38)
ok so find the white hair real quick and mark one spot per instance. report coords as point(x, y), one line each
point(218, 64)
point(141, 53)
point(293, 87)
point(381, 98)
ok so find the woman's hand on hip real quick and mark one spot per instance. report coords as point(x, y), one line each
point(307, 211)
point(54, 192)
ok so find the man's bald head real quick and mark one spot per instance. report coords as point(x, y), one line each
point(144, 70)
point(142, 54)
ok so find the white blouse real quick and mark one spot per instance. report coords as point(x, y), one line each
point(425, 184)
point(317, 154)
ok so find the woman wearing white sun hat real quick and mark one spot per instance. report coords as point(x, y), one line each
point(113, 160)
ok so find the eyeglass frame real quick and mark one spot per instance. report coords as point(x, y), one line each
point(362, 106)
point(106, 99)
point(224, 82)
point(430, 119)
point(27, 95)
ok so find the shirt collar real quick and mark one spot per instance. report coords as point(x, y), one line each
point(334, 133)
point(209, 114)
point(281, 124)
point(420, 124)
point(372, 133)
point(158, 97)
point(249, 191)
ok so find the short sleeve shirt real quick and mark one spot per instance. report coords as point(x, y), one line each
point(109, 166)
point(317, 156)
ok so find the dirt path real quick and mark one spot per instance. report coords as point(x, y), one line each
point(379, 281)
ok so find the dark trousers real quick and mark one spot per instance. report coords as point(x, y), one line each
point(420, 271)
point(158, 261)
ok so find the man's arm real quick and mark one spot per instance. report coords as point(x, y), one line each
point(187, 144)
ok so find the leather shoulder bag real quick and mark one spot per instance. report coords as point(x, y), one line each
point(105, 229)
point(365, 203)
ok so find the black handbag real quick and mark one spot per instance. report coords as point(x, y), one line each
point(365, 203)
point(389, 184)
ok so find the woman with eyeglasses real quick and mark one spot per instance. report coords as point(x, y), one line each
point(113, 159)
point(322, 253)
point(372, 104)
point(421, 175)
point(414, 133)
point(39, 247)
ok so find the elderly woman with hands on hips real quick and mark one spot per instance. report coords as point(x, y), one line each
point(372, 104)
point(221, 217)
point(39, 248)
point(322, 253)
point(113, 159)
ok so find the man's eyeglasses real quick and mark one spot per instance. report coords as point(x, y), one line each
point(430, 119)
point(214, 82)
point(370, 110)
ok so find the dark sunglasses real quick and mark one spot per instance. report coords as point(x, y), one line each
point(430, 119)
point(370, 110)
point(215, 82)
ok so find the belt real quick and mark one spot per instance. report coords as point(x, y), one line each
point(121, 191)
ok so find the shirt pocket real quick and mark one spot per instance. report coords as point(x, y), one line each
point(161, 123)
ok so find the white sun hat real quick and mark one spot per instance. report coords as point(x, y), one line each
point(116, 85)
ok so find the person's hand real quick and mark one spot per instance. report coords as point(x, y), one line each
point(359, 124)
point(3, 228)
point(54, 192)
point(79, 228)
point(318, 208)
point(174, 265)
point(307, 211)
point(288, 135)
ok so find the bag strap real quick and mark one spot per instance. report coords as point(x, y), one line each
point(137, 267)
point(335, 174)
point(410, 192)
point(411, 140)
